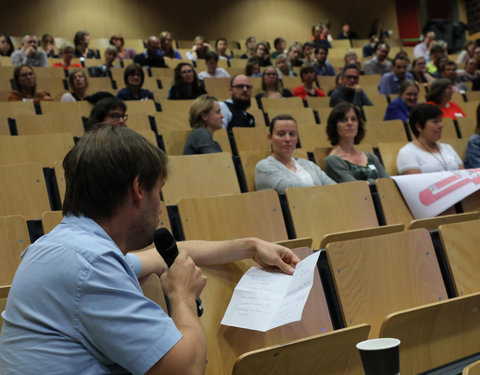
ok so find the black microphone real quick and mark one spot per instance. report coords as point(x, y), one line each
point(168, 250)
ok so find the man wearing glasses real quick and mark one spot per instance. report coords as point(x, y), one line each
point(235, 109)
point(109, 110)
point(349, 89)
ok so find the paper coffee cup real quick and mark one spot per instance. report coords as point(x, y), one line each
point(380, 356)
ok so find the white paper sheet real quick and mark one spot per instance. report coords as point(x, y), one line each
point(429, 194)
point(263, 300)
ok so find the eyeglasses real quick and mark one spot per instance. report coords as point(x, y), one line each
point(186, 72)
point(242, 87)
point(355, 78)
point(118, 116)
point(270, 74)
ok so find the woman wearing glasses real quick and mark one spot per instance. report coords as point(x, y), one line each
point(272, 86)
point(133, 78)
point(186, 84)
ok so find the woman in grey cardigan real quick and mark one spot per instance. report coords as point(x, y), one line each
point(345, 163)
point(281, 170)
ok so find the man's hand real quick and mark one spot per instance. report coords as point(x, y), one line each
point(271, 256)
point(30, 52)
point(184, 280)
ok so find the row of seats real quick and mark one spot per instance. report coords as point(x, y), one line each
point(399, 269)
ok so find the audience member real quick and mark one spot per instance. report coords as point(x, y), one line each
point(166, 46)
point(48, 45)
point(250, 44)
point(422, 48)
point(400, 108)
point(122, 53)
point(25, 86)
point(449, 71)
point(467, 52)
point(309, 79)
point(472, 157)
point(110, 54)
point(6, 45)
point(294, 55)
point(379, 64)
point(378, 30)
point(440, 95)
point(213, 71)
point(369, 49)
point(349, 89)
point(185, 83)
point(29, 53)
point(470, 73)
point(114, 178)
point(262, 54)
point(66, 53)
point(283, 68)
point(347, 32)
point(437, 50)
point(199, 49)
point(345, 163)
point(308, 52)
point(390, 82)
point(419, 71)
point(81, 41)
point(151, 57)
point(425, 154)
point(280, 170)
point(321, 64)
point(280, 46)
point(271, 86)
point(320, 36)
point(476, 56)
point(108, 110)
point(78, 82)
point(252, 69)
point(235, 109)
point(133, 77)
point(205, 118)
point(441, 60)
point(351, 57)
point(221, 45)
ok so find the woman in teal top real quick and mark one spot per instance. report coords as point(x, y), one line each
point(345, 130)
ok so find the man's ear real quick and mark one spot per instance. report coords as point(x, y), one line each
point(136, 189)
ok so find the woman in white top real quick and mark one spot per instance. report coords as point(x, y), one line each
point(78, 83)
point(280, 170)
point(425, 153)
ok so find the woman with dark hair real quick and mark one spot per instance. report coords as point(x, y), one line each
point(425, 153)
point(109, 110)
point(205, 118)
point(309, 78)
point(78, 82)
point(280, 170)
point(6, 45)
point(420, 72)
point(166, 46)
point(122, 53)
point(81, 40)
point(25, 85)
point(252, 68)
point(272, 86)
point(440, 95)
point(262, 54)
point(48, 44)
point(472, 157)
point(133, 78)
point(186, 84)
point(345, 163)
point(401, 106)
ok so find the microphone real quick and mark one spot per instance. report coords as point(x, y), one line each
point(168, 250)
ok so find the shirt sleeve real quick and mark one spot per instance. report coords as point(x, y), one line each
point(122, 324)
point(406, 159)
